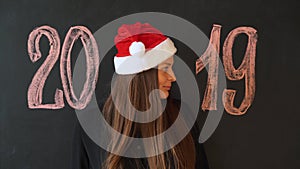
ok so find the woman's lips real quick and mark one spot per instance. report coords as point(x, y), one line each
point(167, 87)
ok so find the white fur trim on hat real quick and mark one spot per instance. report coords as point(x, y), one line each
point(140, 60)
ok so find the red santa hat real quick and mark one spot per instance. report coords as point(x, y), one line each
point(140, 47)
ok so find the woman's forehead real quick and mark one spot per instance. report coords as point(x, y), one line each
point(170, 60)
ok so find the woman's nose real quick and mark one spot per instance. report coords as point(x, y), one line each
point(172, 76)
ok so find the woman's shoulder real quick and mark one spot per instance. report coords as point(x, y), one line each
point(201, 161)
point(85, 152)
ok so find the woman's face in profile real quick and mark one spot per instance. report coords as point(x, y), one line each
point(165, 77)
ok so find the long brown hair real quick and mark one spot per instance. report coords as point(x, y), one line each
point(181, 156)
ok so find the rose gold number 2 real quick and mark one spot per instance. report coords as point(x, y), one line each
point(35, 90)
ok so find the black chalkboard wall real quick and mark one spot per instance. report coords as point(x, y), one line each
point(266, 137)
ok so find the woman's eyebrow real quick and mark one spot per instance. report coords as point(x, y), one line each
point(167, 64)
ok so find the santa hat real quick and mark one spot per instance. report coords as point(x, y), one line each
point(140, 47)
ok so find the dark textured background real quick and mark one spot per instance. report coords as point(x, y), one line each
point(267, 136)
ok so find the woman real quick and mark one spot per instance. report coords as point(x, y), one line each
point(143, 64)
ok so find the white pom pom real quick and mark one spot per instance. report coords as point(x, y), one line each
point(137, 49)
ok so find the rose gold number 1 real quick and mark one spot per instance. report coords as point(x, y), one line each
point(211, 58)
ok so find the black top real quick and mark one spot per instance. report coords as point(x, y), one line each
point(88, 155)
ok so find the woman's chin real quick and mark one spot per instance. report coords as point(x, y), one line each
point(164, 95)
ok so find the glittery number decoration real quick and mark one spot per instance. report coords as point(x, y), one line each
point(210, 57)
point(92, 59)
point(246, 70)
point(35, 90)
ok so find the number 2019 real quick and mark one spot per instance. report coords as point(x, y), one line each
point(210, 57)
